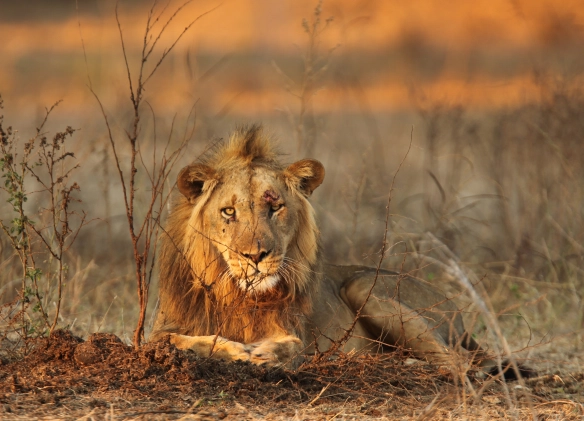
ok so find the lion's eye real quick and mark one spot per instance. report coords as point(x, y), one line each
point(228, 213)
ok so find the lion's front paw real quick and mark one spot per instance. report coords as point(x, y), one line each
point(277, 351)
point(264, 353)
point(212, 346)
point(233, 351)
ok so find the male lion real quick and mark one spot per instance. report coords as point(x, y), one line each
point(241, 277)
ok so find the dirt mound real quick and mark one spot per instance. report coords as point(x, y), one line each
point(65, 364)
point(67, 377)
point(104, 370)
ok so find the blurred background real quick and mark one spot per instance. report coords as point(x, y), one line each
point(488, 93)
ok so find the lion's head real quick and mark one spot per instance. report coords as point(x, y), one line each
point(241, 237)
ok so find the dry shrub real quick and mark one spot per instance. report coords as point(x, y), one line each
point(38, 234)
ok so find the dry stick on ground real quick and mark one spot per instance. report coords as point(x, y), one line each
point(144, 235)
point(384, 248)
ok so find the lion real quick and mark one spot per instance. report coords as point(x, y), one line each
point(241, 277)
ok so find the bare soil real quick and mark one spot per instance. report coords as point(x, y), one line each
point(64, 377)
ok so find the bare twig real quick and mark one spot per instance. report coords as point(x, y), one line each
point(144, 233)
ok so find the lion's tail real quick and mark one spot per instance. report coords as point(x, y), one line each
point(491, 365)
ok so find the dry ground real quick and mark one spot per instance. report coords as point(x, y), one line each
point(65, 377)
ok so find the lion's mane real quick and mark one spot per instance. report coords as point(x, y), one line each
point(197, 297)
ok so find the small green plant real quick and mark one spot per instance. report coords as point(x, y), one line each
point(514, 288)
point(40, 167)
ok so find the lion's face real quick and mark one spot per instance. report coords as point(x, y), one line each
point(251, 220)
point(252, 216)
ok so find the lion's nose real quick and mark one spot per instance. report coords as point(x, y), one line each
point(256, 258)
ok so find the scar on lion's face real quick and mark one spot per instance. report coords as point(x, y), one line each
point(270, 196)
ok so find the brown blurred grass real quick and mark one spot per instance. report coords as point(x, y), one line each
point(481, 54)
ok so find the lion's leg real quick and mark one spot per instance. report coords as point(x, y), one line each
point(276, 351)
point(398, 325)
point(213, 346)
point(394, 323)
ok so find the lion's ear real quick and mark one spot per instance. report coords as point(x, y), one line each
point(192, 178)
point(305, 175)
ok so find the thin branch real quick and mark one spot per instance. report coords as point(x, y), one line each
point(113, 145)
point(163, 29)
point(167, 51)
point(125, 57)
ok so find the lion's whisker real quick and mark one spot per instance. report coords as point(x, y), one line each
point(298, 264)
